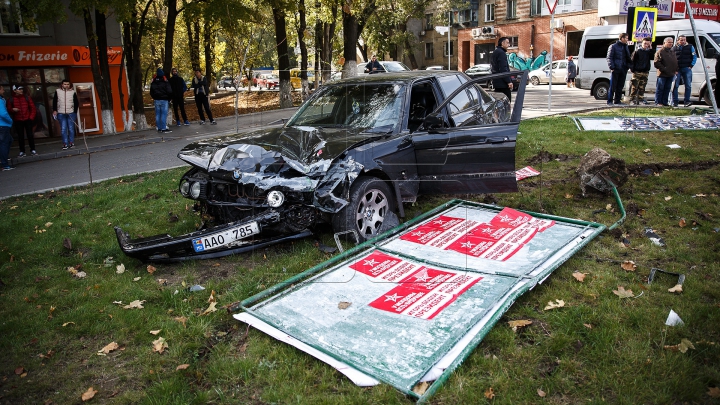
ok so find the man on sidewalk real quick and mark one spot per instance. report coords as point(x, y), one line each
point(667, 67)
point(65, 106)
point(686, 58)
point(179, 87)
point(640, 68)
point(499, 64)
point(618, 59)
point(202, 92)
point(161, 92)
point(23, 111)
point(5, 136)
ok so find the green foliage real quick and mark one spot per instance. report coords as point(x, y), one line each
point(597, 349)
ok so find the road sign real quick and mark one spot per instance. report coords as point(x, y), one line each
point(551, 5)
point(644, 22)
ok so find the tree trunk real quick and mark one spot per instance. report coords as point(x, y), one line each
point(283, 58)
point(352, 28)
point(100, 83)
point(193, 32)
point(208, 42)
point(303, 51)
point(172, 14)
point(328, 37)
point(132, 39)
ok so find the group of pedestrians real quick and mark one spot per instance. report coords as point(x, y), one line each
point(673, 63)
point(164, 90)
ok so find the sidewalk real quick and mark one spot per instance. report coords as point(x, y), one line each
point(51, 148)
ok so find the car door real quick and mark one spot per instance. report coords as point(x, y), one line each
point(478, 157)
point(559, 72)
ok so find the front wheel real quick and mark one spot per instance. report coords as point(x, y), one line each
point(600, 91)
point(706, 95)
point(370, 207)
point(534, 80)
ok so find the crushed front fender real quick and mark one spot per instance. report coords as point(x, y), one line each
point(166, 248)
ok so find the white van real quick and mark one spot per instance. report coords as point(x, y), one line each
point(594, 73)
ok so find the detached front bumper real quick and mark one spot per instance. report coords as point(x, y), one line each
point(165, 248)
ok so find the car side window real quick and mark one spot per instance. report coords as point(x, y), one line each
point(422, 103)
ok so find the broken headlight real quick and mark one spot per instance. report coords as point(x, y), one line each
point(275, 198)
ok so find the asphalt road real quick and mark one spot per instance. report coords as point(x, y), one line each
point(39, 176)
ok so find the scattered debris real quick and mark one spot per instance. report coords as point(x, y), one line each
point(677, 288)
point(654, 238)
point(120, 268)
point(519, 324)
point(525, 172)
point(623, 293)
point(674, 146)
point(673, 319)
point(159, 345)
point(67, 244)
point(107, 349)
point(682, 347)
point(553, 305)
point(628, 265)
point(597, 168)
point(88, 395)
point(196, 287)
point(344, 305)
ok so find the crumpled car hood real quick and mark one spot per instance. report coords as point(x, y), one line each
point(305, 149)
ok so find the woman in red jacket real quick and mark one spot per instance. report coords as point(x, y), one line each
point(23, 111)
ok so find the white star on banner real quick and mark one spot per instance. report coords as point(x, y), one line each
point(370, 262)
point(503, 218)
point(467, 244)
point(393, 297)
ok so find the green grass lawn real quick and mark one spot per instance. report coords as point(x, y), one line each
point(598, 348)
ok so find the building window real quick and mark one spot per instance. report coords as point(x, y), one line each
point(8, 25)
point(428, 22)
point(511, 11)
point(466, 16)
point(536, 7)
point(489, 12)
point(429, 50)
point(564, 2)
point(445, 46)
point(513, 42)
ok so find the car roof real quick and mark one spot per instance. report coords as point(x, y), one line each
point(407, 76)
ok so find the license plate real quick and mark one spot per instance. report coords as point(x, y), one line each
point(221, 239)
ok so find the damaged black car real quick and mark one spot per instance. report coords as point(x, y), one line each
point(350, 157)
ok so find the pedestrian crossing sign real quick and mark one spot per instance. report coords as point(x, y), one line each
point(644, 23)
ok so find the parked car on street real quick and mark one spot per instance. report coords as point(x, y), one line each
point(225, 82)
point(296, 82)
point(386, 65)
point(436, 67)
point(350, 156)
point(542, 75)
point(268, 81)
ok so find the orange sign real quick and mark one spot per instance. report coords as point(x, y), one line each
point(53, 55)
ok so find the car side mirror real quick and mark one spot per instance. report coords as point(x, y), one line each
point(434, 121)
point(711, 53)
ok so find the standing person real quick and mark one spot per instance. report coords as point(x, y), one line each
point(667, 67)
point(373, 66)
point(5, 136)
point(686, 58)
point(161, 92)
point(202, 91)
point(618, 59)
point(23, 112)
point(640, 68)
point(571, 72)
point(499, 64)
point(179, 87)
point(65, 106)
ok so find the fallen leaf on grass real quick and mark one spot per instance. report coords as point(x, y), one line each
point(162, 281)
point(136, 279)
point(489, 394)
point(108, 261)
point(628, 265)
point(89, 394)
point(68, 323)
point(682, 223)
point(120, 268)
point(48, 224)
point(344, 305)
point(19, 370)
point(135, 304)
point(212, 297)
point(182, 320)
point(107, 349)
point(568, 196)
point(182, 367)
point(579, 276)
point(67, 244)
point(159, 345)
point(682, 347)
point(623, 293)
point(553, 305)
point(714, 392)
point(209, 309)
point(699, 195)
point(668, 198)
point(519, 324)
point(587, 325)
point(151, 269)
point(541, 393)
point(421, 387)
point(676, 289)
point(155, 332)
point(80, 274)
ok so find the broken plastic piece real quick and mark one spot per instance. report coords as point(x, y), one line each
point(651, 277)
point(673, 319)
point(674, 146)
point(654, 238)
point(196, 287)
point(337, 238)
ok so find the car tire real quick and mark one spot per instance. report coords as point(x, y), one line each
point(371, 206)
point(600, 90)
point(706, 97)
point(534, 80)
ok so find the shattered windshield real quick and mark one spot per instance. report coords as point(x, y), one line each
point(372, 107)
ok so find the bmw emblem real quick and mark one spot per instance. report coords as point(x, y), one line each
point(237, 174)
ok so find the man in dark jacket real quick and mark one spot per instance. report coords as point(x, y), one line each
point(373, 66)
point(618, 59)
point(179, 87)
point(202, 92)
point(571, 72)
point(161, 92)
point(686, 58)
point(640, 68)
point(499, 64)
point(667, 67)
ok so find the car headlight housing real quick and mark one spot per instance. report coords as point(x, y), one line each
point(275, 198)
point(195, 190)
point(185, 188)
